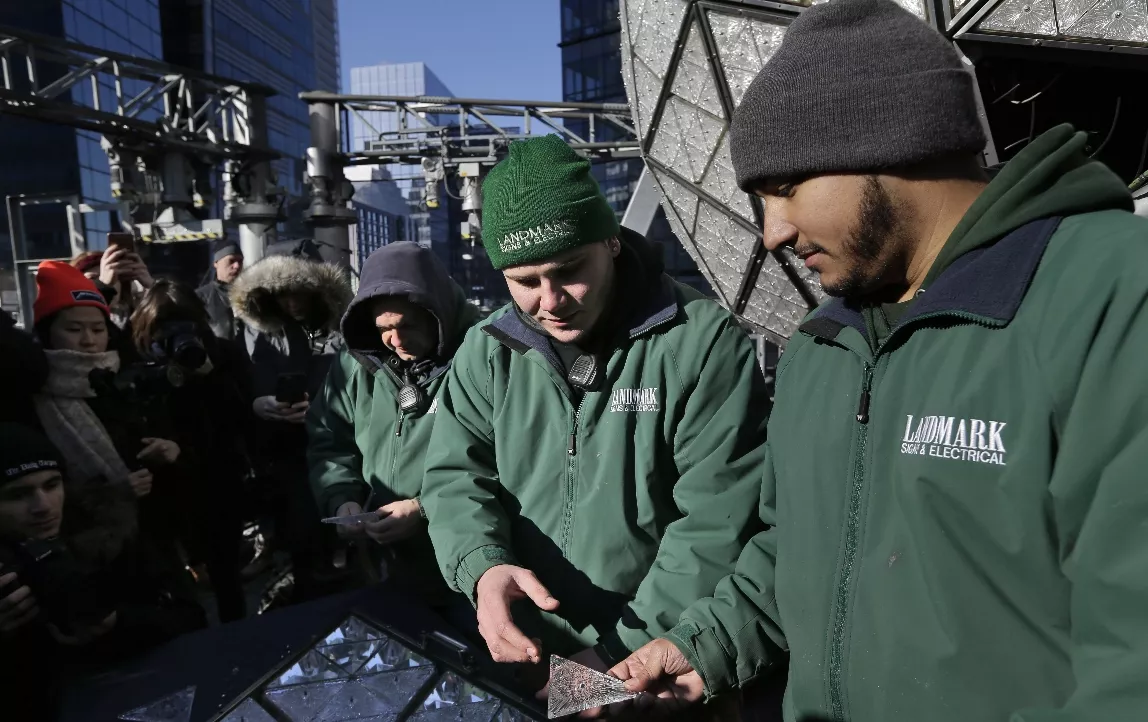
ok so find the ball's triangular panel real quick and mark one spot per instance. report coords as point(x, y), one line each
point(1032, 17)
point(744, 45)
point(574, 687)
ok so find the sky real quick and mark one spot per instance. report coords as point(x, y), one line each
point(500, 49)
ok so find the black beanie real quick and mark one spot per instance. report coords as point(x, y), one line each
point(24, 451)
point(223, 248)
point(856, 86)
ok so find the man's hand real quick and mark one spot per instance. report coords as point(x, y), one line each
point(84, 636)
point(350, 532)
point(17, 608)
point(661, 670)
point(140, 482)
point(497, 588)
point(158, 451)
point(400, 520)
point(270, 409)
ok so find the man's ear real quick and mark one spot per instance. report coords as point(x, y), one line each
point(615, 246)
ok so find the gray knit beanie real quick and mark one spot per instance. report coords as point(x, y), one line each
point(856, 86)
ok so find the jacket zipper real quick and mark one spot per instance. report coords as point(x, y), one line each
point(399, 423)
point(852, 530)
point(571, 454)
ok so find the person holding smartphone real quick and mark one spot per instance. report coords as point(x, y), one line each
point(370, 427)
point(289, 305)
point(123, 277)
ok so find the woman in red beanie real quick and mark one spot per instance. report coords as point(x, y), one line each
point(71, 320)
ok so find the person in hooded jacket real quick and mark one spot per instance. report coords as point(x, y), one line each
point(226, 264)
point(369, 428)
point(595, 437)
point(954, 484)
point(289, 304)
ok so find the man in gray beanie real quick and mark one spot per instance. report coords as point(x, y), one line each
point(227, 262)
point(954, 486)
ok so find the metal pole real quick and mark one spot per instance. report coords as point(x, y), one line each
point(328, 213)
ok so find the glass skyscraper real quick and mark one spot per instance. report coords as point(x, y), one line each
point(592, 73)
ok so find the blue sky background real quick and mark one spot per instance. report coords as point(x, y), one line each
point(504, 49)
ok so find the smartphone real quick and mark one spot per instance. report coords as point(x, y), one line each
point(122, 239)
point(291, 388)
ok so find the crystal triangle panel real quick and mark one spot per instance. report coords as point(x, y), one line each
point(774, 304)
point(355, 702)
point(657, 32)
point(744, 45)
point(352, 629)
point(392, 655)
point(173, 708)
point(249, 711)
point(1121, 20)
point(303, 702)
point(720, 181)
point(685, 237)
point(312, 667)
point(574, 687)
point(725, 247)
point(1030, 17)
point(694, 80)
point(351, 656)
point(454, 690)
point(479, 712)
point(683, 201)
point(397, 687)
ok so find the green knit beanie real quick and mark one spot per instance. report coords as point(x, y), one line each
point(541, 201)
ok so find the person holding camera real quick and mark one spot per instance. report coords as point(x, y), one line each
point(64, 608)
point(370, 426)
point(208, 401)
point(290, 304)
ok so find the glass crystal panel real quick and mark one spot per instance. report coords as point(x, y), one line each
point(398, 687)
point(312, 667)
point(480, 712)
point(720, 181)
point(694, 80)
point(303, 702)
point(725, 246)
point(1068, 12)
point(695, 134)
point(683, 201)
point(352, 629)
point(173, 708)
point(249, 711)
point(575, 687)
point(744, 45)
point(1122, 20)
point(1030, 17)
point(917, 7)
point(355, 702)
point(454, 690)
point(775, 304)
point(653, 27)
point(351, 656)
point(686, 237)
point(392, 655)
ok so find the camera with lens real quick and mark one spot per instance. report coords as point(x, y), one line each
point(71, 595)
point(179, 342)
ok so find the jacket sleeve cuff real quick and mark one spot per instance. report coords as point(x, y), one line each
point(476, 563)
point(717, 668)
point(338, 495)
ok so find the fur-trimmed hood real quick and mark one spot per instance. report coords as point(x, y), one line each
point(253, 293)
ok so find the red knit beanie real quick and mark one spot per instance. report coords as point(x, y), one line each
point(60, 286)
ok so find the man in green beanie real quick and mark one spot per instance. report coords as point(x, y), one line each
point(955, 476)
point(598, 445)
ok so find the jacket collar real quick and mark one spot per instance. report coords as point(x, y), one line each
point(660, 308)
point(987, 283)
point(373, 362)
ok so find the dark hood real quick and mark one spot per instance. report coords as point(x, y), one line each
point(407, 269)
point(1051, 177)
point(288, 266)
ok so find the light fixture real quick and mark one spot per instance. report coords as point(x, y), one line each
point(686, 65)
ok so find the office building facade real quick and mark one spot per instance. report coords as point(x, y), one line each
point(592, 73)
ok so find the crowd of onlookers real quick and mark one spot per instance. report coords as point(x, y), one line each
point(146, 426)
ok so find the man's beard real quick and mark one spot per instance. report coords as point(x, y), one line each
point(878, 225)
